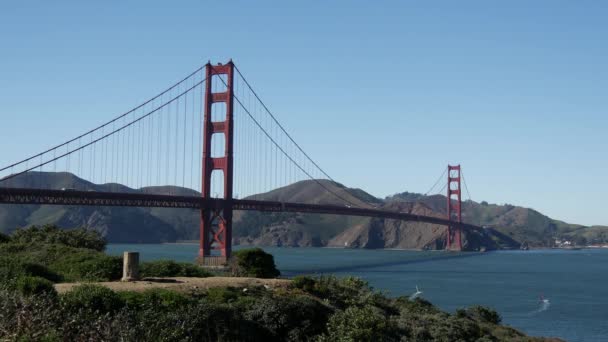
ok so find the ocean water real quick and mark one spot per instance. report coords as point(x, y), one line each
point(574, 281)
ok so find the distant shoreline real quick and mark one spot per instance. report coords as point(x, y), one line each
point(195, 242)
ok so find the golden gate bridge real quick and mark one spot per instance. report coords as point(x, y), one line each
point(209, 131)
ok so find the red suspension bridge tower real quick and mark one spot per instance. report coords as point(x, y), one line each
point(216, 223)
point(454, 207)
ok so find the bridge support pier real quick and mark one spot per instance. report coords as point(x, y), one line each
point(454, 234)
point(216, 223)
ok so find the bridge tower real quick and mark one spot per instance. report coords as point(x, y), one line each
point(216, 223)
point(454, 207)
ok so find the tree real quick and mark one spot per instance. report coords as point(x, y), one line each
point(254, 262)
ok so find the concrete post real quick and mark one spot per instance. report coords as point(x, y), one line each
point(130, 266)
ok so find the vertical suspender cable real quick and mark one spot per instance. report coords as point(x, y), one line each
point(176, 141)
point(184, 132)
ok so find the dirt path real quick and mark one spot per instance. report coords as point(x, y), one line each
point(183, 284)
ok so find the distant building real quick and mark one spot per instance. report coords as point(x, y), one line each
point(563, 243)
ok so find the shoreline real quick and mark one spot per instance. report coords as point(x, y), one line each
point(193, 242)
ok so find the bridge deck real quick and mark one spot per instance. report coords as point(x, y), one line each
point(96, 198)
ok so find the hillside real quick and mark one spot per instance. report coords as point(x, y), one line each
point(507, 226)
point(129, 225)
point(295, 229)
point(381, 233)
point(518, 223)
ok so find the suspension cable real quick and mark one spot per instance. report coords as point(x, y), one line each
point(290, 138)
point(465, 185)
point(442, 188)
point(285, 153)
point(437, 182)
point(92, 142)
point(281, 126)
point(105, 124)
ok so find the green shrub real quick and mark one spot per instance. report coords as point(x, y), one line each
point(192, 270)
point(360, 324)
point(223, 294)
point(155, 298)
point(254, 262)
point(29, 286)
point(483, 314)
point(340, 292)
point(79, 238)
point(95, 298)
point(102, 268)
point(305, 283)
point(57, 262)
point(10, 271)
point(461, 313)
point(4, 238)
point(289, 317)
point(159, 268)
point(27, 317)
point(37, 270)
point(169, 268)
point(203, 321)
point(417, 306)
point(13, 268)
point(78, 265)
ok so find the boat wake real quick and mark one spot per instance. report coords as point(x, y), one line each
point(543, 305)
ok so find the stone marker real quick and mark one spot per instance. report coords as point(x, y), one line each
point(130, 266)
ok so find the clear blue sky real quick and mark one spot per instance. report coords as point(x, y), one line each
point(382, 94)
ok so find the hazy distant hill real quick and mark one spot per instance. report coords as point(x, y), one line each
point(507, 226)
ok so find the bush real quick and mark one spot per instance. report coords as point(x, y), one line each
point(83, 266)
point(13, 268)
point(169, 268)
point(4, 238)
point(28, 318)
point(253, 262)
point(461, 313)
point(360, 324)
point(340, 292)
point(304, 283)
point(79, 238)
point(290, 317)
point(417, 306)
point(483, 314)
point(29, 253)
point(37, 270)
point(29, 286)
point(94, 298)
point(223, 294)
point(155, 298)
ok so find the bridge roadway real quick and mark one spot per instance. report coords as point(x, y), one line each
point(136, 199)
